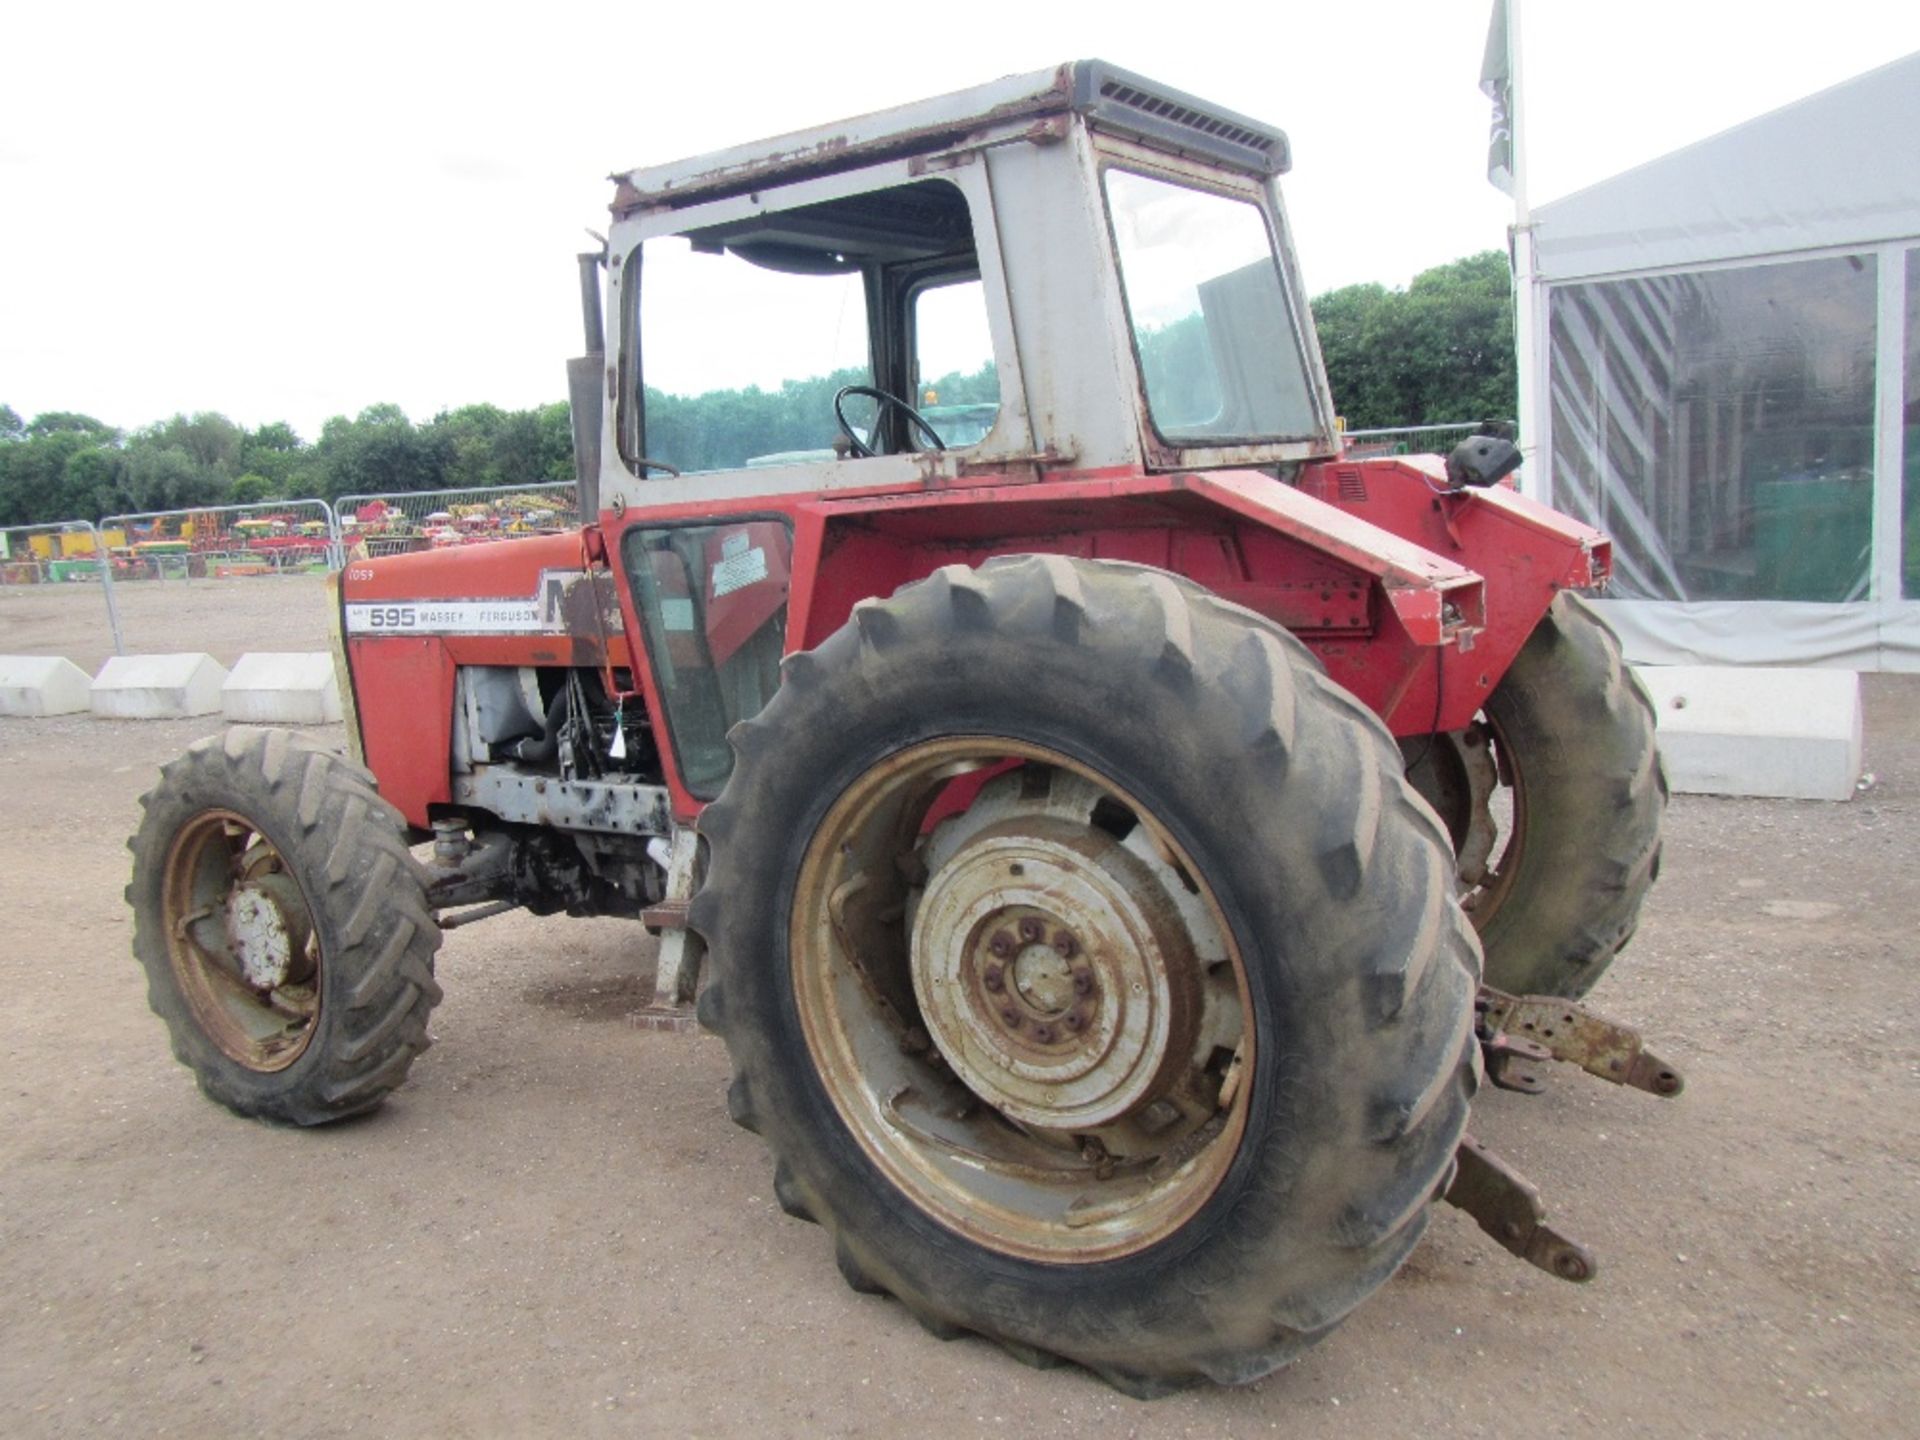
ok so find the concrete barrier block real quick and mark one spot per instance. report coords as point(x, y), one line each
point(277, 687)
point(1791, 734)
point(157, 687)
point(41, 685)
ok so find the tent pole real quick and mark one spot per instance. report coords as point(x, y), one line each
point(1884, 577)
point(1527, 378)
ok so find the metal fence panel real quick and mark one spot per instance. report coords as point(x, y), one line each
point(1408, 439)
point(375, 525)
point(56, 553)
point(273, 537)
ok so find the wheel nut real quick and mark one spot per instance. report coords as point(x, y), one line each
point(1043, 1033)
point(1030, 929)
point(1064, 945)
point(1010, 1015)
point(1083, 983)
point(1074, 1022)
point(994, 979)
point(1001, 944)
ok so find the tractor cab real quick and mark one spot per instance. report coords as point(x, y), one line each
point(1073, 272)
point(1074, 268)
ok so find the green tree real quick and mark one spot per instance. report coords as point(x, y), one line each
point(275, 454)
point(251, 489)
point(469, 436)
point(211, 441)
point(556, 440)
point(378, 452)
point(61, 422)
point(1354, 325)
point(1438, 351)
point(93, 483)
point(523, 450)
point(161, 477)
point(60, 466)
point(12, 427)
point(486, 446)
point(33, 476)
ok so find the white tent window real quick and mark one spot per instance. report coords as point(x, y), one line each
point(1726, 355)
point(1720, 425)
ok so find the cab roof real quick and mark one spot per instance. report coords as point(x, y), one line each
point(1107, 97)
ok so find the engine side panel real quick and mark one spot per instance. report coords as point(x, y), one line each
point(409, 620)
point(404, 689)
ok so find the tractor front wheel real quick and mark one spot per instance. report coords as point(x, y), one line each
point(1554, 798)
point(1090, 970)
point(283, 927)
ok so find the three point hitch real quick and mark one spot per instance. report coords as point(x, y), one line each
point(1518, 1033)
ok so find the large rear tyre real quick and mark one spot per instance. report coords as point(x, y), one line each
point(1568, 735)
point(283, 927)
point(1090, 970)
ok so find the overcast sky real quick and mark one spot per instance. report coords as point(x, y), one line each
point(290, 212)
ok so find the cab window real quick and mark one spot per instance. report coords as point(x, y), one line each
point(954, 375)
point(742, 358)
point(741, 336)
point(1220, 357)
point(713, 599)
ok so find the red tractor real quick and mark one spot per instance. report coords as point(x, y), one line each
point(1118, 838)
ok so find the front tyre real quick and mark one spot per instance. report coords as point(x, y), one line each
point(283, 927)
point(1554, 799)
point(1090, 970)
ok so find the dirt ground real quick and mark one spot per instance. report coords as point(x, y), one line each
point(553, 1229)
point(225, 618)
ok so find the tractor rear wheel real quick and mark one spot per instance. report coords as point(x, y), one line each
point(283, 927)
point(1554, 798)
point(1090, 969)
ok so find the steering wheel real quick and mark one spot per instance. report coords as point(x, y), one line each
point(884, 401)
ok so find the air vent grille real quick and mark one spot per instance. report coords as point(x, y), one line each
point(1175, 113)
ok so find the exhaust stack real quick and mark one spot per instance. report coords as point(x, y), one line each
point(585, 398)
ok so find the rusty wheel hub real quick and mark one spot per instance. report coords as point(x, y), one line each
point(1466, 776)
point(268, 930)
point(241, 941)
point(1028, 1011)
point(1048, 975)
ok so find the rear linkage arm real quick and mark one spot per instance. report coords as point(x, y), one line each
point(1515, 1033)
point(1517, 1030)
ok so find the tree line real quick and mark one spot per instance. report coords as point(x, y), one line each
point(65, 466)
point(725, 428)
point(1439, 350)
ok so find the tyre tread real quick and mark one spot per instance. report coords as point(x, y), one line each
point(1573, 711)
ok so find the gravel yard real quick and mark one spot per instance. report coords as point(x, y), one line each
point(553, 1229)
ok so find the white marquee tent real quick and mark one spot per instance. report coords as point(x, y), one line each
point(1728, 343)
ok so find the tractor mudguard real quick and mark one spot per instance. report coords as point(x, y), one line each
point(1524, 553)
point(1415, 597)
